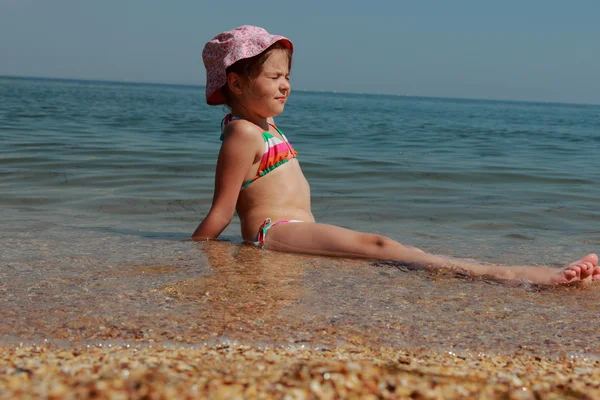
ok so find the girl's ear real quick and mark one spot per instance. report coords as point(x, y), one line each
point(234, 83)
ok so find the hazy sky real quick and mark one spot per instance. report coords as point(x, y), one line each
point(518, 50)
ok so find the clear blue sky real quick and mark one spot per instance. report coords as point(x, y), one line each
point(518, 50)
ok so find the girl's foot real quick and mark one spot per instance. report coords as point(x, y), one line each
point(585, 269)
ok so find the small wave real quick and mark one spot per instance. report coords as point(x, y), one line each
point(518, 236)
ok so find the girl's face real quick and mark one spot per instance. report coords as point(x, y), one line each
point(267, 93)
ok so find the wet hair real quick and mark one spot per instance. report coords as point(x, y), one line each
point(249, 68)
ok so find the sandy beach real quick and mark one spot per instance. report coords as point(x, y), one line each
point(120, 372)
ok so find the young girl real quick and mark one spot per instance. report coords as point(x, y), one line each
point(258, 173)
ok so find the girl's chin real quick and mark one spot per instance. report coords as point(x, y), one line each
point(275, 112)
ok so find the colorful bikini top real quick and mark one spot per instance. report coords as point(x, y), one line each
point(277, 151)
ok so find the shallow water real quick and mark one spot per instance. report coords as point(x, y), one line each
point(218, 292)
point(101, 183)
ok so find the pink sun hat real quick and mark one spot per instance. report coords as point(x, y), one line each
point(227, 48)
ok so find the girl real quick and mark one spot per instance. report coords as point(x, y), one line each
point(258, 173)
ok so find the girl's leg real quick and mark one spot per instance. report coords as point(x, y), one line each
point(322, 239)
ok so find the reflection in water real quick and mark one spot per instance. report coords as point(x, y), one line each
point(247, 291)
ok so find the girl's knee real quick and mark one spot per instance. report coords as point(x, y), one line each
point(377, 242)
point(382, 246)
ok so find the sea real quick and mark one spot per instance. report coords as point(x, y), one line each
point(102, 184)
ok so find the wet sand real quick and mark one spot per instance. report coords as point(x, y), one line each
point(229, 320)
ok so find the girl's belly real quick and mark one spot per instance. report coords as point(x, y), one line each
point(281, 194)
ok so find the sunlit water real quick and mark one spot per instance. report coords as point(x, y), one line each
point(102, 183)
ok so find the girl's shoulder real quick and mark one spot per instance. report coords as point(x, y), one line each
point(241, 136)
point(241, 130)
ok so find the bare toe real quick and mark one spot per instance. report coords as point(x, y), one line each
point(570, 274)
point(596, 273)
point(591, 258)
point(573, 273)
point(587, 268)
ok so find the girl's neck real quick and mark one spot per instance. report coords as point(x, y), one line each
point(251, 117)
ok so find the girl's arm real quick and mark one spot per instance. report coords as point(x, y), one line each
point(240, 149)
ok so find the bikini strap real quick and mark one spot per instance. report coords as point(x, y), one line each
point(225, 121)
point(228, 118)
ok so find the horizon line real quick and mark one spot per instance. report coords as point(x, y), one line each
point(331, 91)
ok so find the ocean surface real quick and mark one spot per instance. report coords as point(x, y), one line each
point(101, 185)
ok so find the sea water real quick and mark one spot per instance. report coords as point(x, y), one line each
point(101, 185)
